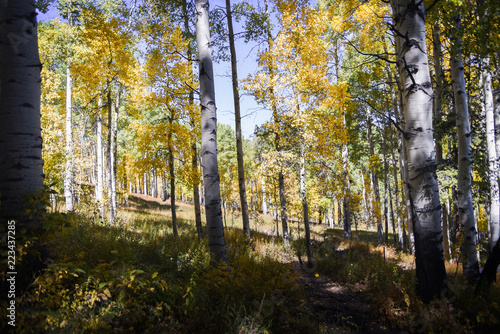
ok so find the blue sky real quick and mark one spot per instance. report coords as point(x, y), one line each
point(252, 113)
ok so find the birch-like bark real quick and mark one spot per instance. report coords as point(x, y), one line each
point(21, 164)
point(171, 167)
point(388, 193)
point(374, 178)
point(192, 123)
point(99, 187)
point(68, 172)
point(264, 200)
point(237, 117)
point(493, 227)
point(401, 159)
point(276, 118)
point(413, 68)
point(347, 190)
point(438, 93)
point(211, 181)
point(109, 176)
point(304, 205)
point(113, 154)
point(464, 174)
point(496, 111)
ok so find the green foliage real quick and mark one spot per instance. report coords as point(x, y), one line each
point(137, 277)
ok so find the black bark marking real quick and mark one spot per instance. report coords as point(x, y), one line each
point(39, 65)
point(26, 105)
point(19, 166)
point(412, 68)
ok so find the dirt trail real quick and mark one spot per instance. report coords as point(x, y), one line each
point(337, 308)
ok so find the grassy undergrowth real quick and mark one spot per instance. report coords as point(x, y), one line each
point(137, 278)
point(387, 278)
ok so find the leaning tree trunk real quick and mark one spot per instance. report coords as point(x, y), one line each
point(492, 157)
point(237, 116)
point(21, 164)
point(413, 68)
point(464, 175)
point(211, 181)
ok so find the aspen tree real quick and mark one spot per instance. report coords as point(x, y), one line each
point(21, 164)
point(416, 91)
point(237, 116)
point(464, 176)
point(215, 228)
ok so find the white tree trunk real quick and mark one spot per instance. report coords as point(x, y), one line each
point(492, 156)
point(21, 164)
point(211, 181)
point(237, 117)
point(68, 177)
point(99, 187)
point(464, 176)
point(413, 68)
point(304, 205)
point(374, 180)
point(496, 105)
point(264, 200)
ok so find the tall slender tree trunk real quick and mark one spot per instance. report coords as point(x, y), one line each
point(281, 181)
point(264, 200)
point(464, 176)
point(438, 93)
point(237, 116)
point(496, 111)
point(347, 190)
point(192, 122)
point(171, 167)
point(493, 227)
point(388, 192)
point(304, 205)
point(374, 179)
point(211, 180)
point(99, 187)
point(112, 213)
point(446, 230)
point(68, 175)
point(21, 164)
point(409, 28)
point(400, 148)
point(114, 147)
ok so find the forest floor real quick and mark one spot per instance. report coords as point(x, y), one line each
point(337, 308)
point(138, 277)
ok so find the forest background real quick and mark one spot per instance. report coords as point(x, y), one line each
point(370, 116)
